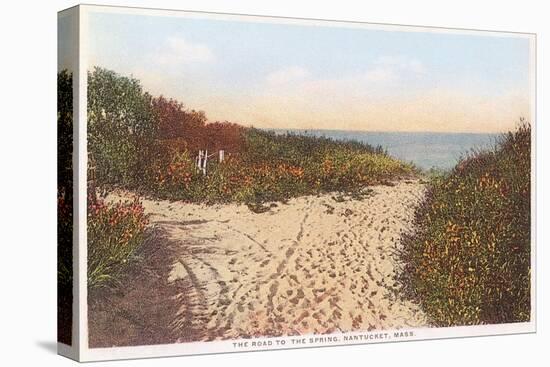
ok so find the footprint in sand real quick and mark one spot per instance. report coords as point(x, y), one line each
point(343, 257)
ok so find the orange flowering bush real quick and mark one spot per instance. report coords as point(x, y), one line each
point(271, 167)
point(274, 167)
point(115, 232)
point(469, 260)
point(178, 178)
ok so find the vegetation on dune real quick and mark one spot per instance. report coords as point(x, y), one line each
point(64, 206)
point(150, 144)
point(120, 127)
point(115, 233)
point(468, 262)
point(272, 168)
point(64, 177)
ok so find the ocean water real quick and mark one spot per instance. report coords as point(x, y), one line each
point(425, 150)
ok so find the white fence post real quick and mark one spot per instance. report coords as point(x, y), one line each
point(204, 162)
point(199, 160)
point(202, 159)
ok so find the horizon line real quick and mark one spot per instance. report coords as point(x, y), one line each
point(381, 131)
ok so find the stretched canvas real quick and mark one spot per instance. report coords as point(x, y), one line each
point(234, 183)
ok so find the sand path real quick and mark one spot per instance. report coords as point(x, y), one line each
point(314, 265)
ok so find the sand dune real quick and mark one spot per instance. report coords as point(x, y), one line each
point(317, 264)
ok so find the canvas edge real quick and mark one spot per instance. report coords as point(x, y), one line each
point(72, 351)
point(222, 347)
point(533, 90)
point(280, 18)
point(82, 173)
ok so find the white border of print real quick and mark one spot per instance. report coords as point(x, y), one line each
point(279, 343)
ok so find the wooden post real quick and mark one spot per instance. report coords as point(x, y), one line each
point(198, 160)
point(202, 159)
point(222, 155)
point(204, 162)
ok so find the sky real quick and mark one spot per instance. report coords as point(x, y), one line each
point(278, 75)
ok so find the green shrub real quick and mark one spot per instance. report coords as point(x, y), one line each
point(115, 232)
point(468, 262)
point(121, 128)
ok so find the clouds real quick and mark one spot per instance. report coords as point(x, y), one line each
point(433, 110)
point(379, 75)
point(301, 88)
point(387, 69)
point(291, 74)
point(389, 94)
point(177, 67)
point(279, 75)
point(178, 51)
point(401, 63)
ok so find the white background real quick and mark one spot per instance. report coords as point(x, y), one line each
point(28, 181)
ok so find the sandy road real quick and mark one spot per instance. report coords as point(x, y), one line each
point(314, 265)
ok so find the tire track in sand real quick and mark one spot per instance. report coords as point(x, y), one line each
point(314, 265)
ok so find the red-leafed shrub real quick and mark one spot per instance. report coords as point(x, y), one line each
point(115, 232)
